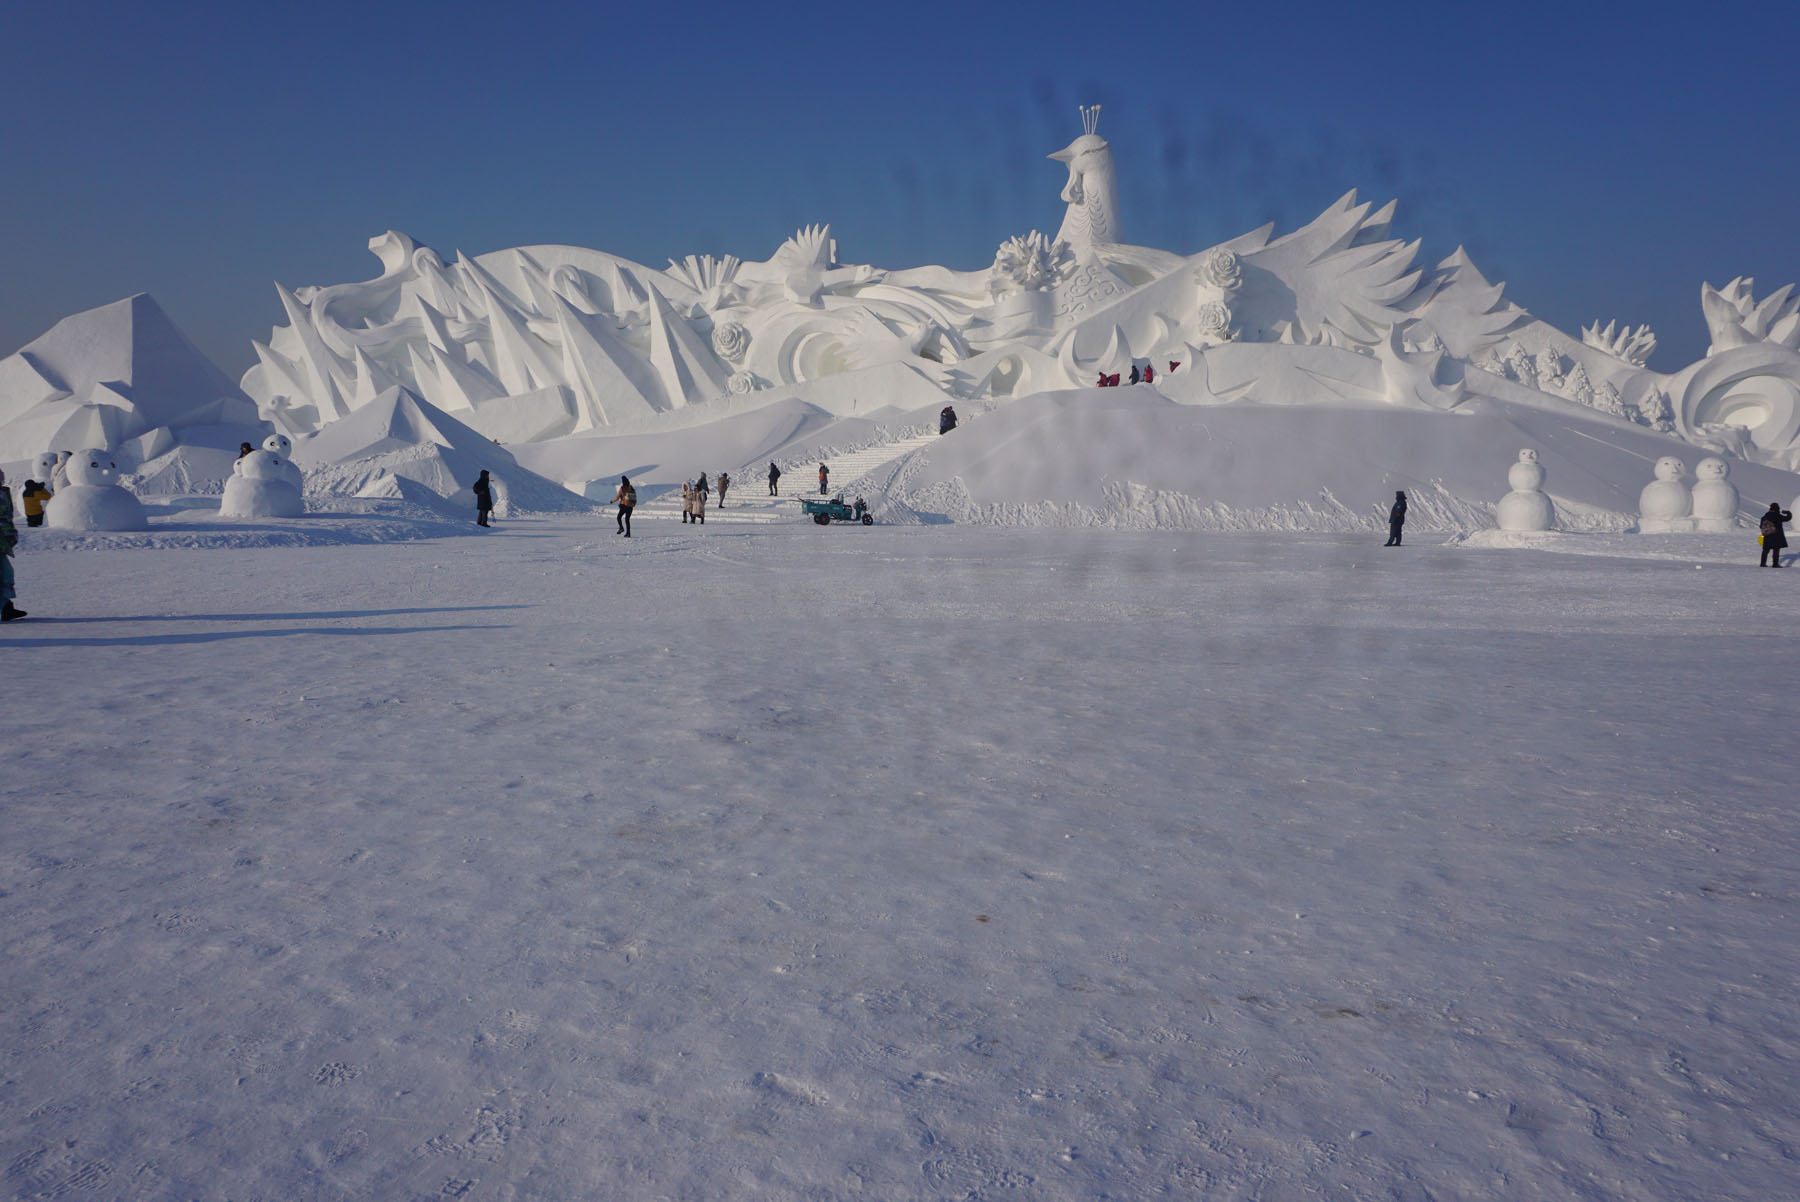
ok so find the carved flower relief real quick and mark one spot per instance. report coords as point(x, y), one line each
point(741, 383)
point(1031, 262)
point(1213, 321)
point(730, 339)
point(1221, 269)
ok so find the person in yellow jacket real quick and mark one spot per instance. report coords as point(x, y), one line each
point(626, 500)
point(33, 495)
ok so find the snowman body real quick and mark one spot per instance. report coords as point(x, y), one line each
point(1715, 497)
point(1666, 504)
point(259, 488)
point(92, 499)
point(1527, 508)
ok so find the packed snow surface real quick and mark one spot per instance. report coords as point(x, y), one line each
point(910, 862)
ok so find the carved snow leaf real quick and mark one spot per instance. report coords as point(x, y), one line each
point(1634, 346)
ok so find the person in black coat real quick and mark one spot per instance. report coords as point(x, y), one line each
point(1396, 519)
point(774, 475)
point(484, 499)
point(1774, 538)
point(946, 420)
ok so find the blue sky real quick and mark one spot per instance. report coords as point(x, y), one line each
point(1603, 160)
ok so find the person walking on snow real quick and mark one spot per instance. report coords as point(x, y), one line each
point(1396, 519)
point(700, 486)
point(774, 475)
point(699, 498)
point(824, 475)
point(1774, 538)
point(724, 483)
point(947, 420)
point(484, 499)
point(687, 502)
point(9, 538)
point(626, 500)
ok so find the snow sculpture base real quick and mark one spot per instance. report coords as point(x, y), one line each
point(87, 507)
point(1525, 512)
point(248, 498)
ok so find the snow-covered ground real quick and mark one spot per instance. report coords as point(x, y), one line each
point(909, 862)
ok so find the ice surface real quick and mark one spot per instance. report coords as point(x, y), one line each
point(906, 862)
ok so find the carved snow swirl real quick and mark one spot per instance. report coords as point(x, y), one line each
point(731, 339)
point(742, 383)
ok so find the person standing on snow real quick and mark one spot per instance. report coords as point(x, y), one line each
point(9, 538)
point(947, 420)
point(484, 499)
point(699, 496)
point(687, 502)
point(824, 475)
point(626, 500)
point(724, 483)
point(774, 475)
point(34, 494)
point(1396, 519)
point(1774, 538)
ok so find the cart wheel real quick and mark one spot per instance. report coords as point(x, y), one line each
point(868, 519)
point(824, 519)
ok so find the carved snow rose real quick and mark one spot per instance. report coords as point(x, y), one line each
point(1221, 269)
point(730, 339)
point(741, 383)
point(1213, 320)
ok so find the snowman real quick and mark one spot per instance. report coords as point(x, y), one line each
point(1665, 505)
point(55, 468)
point(1715, 497)
point(282, 447)
point(1527, 508)
point(259, 488)
point(93, 499)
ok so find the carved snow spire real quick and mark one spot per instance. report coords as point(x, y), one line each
point(1092, 192)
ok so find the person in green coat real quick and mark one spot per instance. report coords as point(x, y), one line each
point(9, 538)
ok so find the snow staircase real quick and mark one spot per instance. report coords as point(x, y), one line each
point(748, 500)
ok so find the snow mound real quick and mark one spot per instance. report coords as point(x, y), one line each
point(109, 375)
point(398, 436)
point(1131, 458)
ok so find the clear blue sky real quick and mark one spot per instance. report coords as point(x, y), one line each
point(1603, 160)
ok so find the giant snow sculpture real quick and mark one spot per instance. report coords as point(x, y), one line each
point(542, 342)
point(121, 377)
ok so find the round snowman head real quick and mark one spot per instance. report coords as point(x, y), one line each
point(1712, 469)
point(1528, 455)
point(93, 467)
point(44, 466)
point(279, 444)
point(1670, 468)
point(259, 465)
